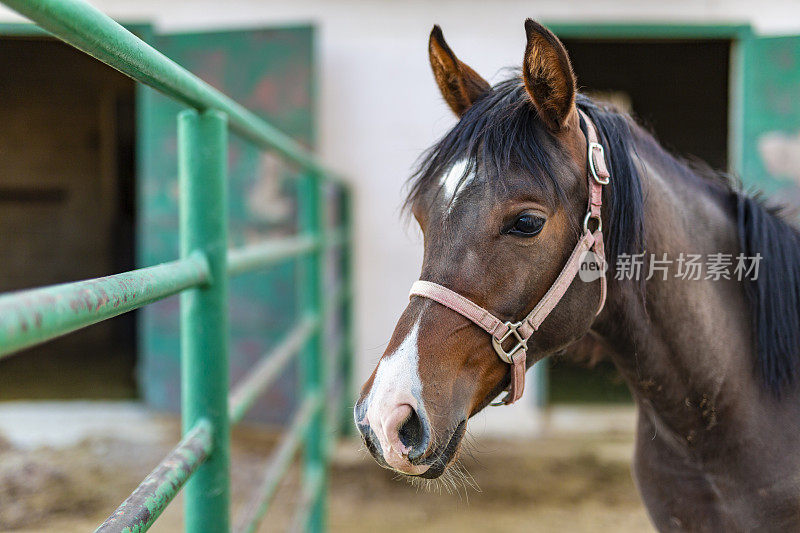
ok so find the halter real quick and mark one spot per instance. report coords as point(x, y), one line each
point(516, 334)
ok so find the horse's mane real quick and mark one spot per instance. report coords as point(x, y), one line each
point(773, 297)
point(502, 131)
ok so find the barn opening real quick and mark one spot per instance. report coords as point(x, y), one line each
point(67, 208)
point(680, 90)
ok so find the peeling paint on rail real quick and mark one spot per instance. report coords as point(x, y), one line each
point(37, 315)
point(148, 501)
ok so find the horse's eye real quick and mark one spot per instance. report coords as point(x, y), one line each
point(526, 225)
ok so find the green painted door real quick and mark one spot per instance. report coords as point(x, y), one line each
point(767, 147)
point(271, 72)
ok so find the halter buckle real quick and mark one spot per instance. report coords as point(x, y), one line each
point(521, 343)
point(589, 217)
point(592, 147)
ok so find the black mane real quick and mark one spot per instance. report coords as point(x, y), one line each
point(774, 296)
point(502, 131)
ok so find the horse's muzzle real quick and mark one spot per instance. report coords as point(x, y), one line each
point(399, 438)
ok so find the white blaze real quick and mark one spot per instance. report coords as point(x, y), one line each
point(451, 179)
point(396, 383)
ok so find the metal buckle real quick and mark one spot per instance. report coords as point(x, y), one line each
point(589, 217)
point(599, 146)
point(507, 356)
point(522, 344)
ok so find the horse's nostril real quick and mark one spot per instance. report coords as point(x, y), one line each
point(411, 433)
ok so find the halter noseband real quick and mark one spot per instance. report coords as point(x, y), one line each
point(520, 332)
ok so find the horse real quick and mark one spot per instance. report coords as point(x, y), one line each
point(711, 360)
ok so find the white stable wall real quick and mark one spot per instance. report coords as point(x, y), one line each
point(379, 107)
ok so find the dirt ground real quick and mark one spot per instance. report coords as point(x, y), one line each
point(557, 483)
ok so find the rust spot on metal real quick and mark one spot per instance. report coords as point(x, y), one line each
point(150, 498)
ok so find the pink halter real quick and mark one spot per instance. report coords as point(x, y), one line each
point(520, 332)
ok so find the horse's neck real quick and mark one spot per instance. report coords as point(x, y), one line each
point(694, 339)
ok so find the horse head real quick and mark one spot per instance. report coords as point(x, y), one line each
point(500, 200)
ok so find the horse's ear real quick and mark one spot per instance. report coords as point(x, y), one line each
point(548, 76)
point(460, 85)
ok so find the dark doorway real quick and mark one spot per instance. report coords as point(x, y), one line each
point(67, 208)
point(677, 88)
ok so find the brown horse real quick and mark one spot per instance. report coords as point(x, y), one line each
point(711, 359)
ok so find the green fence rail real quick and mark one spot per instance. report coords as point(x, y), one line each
point(201, 460)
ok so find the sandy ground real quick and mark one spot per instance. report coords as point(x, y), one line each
point(558, 483)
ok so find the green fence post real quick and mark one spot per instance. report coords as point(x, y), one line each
point(348, 323)
point(309, 203)
point(202, 162)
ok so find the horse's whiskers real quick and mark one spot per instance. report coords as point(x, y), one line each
point(455, 479)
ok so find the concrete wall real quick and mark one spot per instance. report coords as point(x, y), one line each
point(379, 108)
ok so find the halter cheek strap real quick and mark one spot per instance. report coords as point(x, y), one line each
point(510, 339)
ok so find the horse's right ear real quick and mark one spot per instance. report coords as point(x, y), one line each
point(460, 85)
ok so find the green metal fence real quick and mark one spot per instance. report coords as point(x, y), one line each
point(201, 460)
